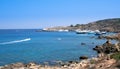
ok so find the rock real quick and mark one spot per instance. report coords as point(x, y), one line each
point(65, 66)
point(84, 63)
point(108, 42)
point(71, 61)
point(117, 46)
point(59, 62)
point(100, 55)
point(1, 67)
point(115, 37)
point(13, 66)
point(34, 67)
point(99, 49)
point(92, 37)
point(107, 48)
point(93, 43)
point(83, 43)
point(105, 64)
point(18, 65)
point(83, 57)
point(100, 37)
point(30, 64)
point(46, 63)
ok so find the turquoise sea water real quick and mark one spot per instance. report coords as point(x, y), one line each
point(30, 46)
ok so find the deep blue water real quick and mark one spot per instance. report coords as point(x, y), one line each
point(30, 46)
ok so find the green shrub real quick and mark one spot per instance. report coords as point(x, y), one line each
point(92, 61)
point(116, 56)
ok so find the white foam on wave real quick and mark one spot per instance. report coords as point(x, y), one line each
point(17, 41)
point(59, 38)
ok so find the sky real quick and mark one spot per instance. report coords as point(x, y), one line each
point(35, 14)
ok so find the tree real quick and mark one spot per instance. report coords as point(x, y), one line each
point(71, 25)
point(77, 25)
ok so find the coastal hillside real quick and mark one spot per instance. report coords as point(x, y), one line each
point(110, 25)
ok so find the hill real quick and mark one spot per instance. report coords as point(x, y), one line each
point(112, 25)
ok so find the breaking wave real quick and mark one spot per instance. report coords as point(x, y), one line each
point(16, 41)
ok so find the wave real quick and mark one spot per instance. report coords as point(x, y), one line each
point(16, 41)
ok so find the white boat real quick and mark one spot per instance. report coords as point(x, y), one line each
point(98, 33)
point(91, 32)
point(81, 31)
point(103, 32)
point(63, 30)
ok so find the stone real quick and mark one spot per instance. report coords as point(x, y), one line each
point(100, 37)
point(107, 48)
point(99, 49)
point(83, 43)
point(83, 57)
point(71, 61)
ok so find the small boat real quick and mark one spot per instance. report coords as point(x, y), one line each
point(82, 32)
point(103, 32)
point(91, 32)
point(63, 30)
point(98, 33)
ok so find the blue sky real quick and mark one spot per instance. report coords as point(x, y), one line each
point(21, 14)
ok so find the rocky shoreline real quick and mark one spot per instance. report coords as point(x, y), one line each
point(94, 63)
point(102, 61)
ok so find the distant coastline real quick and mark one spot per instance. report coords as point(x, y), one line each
point(109, 25)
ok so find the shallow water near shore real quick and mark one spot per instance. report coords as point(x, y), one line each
point(30, 46)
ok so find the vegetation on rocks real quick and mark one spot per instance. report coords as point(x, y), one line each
point(116, 56)
point(110, 25)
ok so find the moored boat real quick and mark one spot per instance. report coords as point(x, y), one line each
point(81, 32)
point(98, 33)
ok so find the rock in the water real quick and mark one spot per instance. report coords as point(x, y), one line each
point(83, 57)
point(100, 37)
point(99, 49)
point(93, 43)
point(83, 43)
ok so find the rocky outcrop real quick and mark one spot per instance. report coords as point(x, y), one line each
point(108, 48)
point(115, 37)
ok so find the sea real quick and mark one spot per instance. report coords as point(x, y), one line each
point(27, 45)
